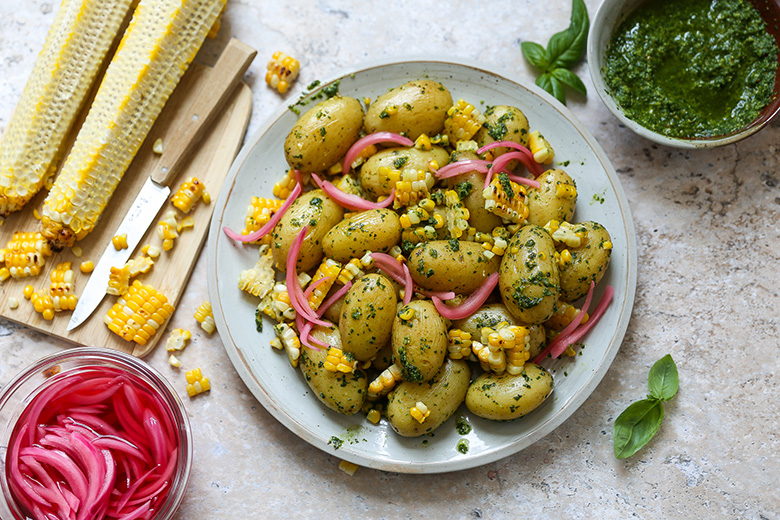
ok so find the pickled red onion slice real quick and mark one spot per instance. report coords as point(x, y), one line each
point(275, 218)
point(533, 166)
point(349, 201)
point(294, 291)
point(472, 303)
point(375, 138)
point(460, 167)
point(498, 166)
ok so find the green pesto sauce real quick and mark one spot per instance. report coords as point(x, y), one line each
point(692, 68)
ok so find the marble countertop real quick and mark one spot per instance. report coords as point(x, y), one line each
point(708, 281)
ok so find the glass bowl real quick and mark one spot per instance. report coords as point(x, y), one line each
point(18, 394)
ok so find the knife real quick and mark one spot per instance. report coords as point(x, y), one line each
point(212, 95)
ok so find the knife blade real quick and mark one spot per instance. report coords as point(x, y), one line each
point(212, 95)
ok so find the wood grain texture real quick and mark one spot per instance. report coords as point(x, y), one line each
point(210, 162)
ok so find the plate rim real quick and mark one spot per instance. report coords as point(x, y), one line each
point(567, 408)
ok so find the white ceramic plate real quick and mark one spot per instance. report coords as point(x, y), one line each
point(283, 391)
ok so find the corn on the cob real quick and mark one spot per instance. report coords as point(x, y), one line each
point(540, 148)
point(351, 270)
point(285, 185)
point(118, 281)
point(177, 340)
point(138, 314)
point(196, 383)
point(329, 268)
point(62, 289)
point(282, 71)
point(205, 318)
point(289, 342)
point(259, 212)
point(25, 254)
point(188, 194)
point(160, 42)
point(78, 41)
point(276, 304)
point(463, 121)
point(506, 199)
point(566, 233)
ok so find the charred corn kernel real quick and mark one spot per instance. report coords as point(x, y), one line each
point(196, 383)
point(25, 254)
point(87, 266)
point(290, 342)
point(568, 234)
point(411, 185)
point(157, 147)
point(385, 382)
point(204, 317)
point(350, 271)
point(188, 194)
point(459, 344)
point(138, 314)
point(13, 303)
point(259, 212)
point(566, 191)
point(28, 291)
point(161, 40)
point(167, 230)
point(463, 121)
point(540, 148)
point(259, 280)
point(328, 271)
point(456, 213)
point(374, 415)
point(420, 412)
point(5, 274)
point(177, 340)
point(282, 71)
point(423, 142)
point(348, 467)
point(120, 241)
point(77, 251)
point(43, 304)
point(118, 281)
point(174, 361)
point(606, 244)
point(60, 83)
point(506, 199)
point(62, 290)
point(339, 361)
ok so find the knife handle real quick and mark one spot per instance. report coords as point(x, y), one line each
point(212, 95)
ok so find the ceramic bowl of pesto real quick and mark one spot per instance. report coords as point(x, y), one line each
point(683, 85)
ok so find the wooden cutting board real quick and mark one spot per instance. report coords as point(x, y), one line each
point(210, 163)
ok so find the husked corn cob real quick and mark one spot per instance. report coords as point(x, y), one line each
point(188, 194)
point(289, 342)
point(566, 233)
point(160, 42)
point(177, 340)
point(259, 212)
point(329, 268)
point(385, 382)
point(205, 318)
point(463, 121)
point(506, 199)
point(138, 314)
point(78, 41)
point(540, 148)
point(196, 383)
point(282, 71)
point(25, 254)
point(339, 361)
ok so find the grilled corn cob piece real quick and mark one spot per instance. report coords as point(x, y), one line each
point(459, 344)
point(282, 71)
point(118, 281)
point(138, 314)
point(188, 194)
point(66, 69)
point(420, 412)
point(411, 185)
point(540, 148)
point(43, 304)
point(156, 49)
point(285, 185)
point(463, 121)
point(168, 230)
point(62, 289)
point(457, 214)
point(506, 199)
point(25, 254)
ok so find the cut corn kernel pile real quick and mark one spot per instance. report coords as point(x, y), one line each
point(205, 318)
point(25, 254)
point(196, 383)
point(282, 71)
point(188, 194)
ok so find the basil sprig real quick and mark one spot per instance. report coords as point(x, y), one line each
point(563, 51)
point(640, 421)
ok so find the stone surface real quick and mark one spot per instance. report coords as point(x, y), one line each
point(709, 250)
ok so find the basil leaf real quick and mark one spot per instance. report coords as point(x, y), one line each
point(566, 47)
point(557, 89)
point(569, 78)
point(543, 82)
point(535, 54)
point(663, 379)
point(636, 426)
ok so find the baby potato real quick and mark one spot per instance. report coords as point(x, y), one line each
point(492, 314)
point(374, 230)
point(419, 340)
point(342, 393)
point(323, 134)
point(503, 123)
point(528, 277)
point(503, 397)
point(451, 265)
point(414, 108)
point(589, 261)
point(377, 185)
point(555, 199)
point(442, 395)
point(314, 209)
point(469, 185)
point(367, 316)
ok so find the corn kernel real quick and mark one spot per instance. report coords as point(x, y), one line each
point(177, 340)
point(77, 251)
point(13, 303)
point(196, 383)
point(174, 361)
point(87, 266)
point(28, 291)
point(157, 147)
point(120, 241)
point(374, 415)
point(348, 467)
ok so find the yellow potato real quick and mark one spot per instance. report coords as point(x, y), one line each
point(377, 185)
point(343, 393)
point(528, 277)
point(555, 199)
point(471, 185)
point(314, 209)
point(442, 395)
point(503, 123)
point(505, 397)
point(323, 134)
point(367, 316)
point(589, 261)
point(374, 230)
point(419, 340)
point(414, 108)
point(451, 265)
